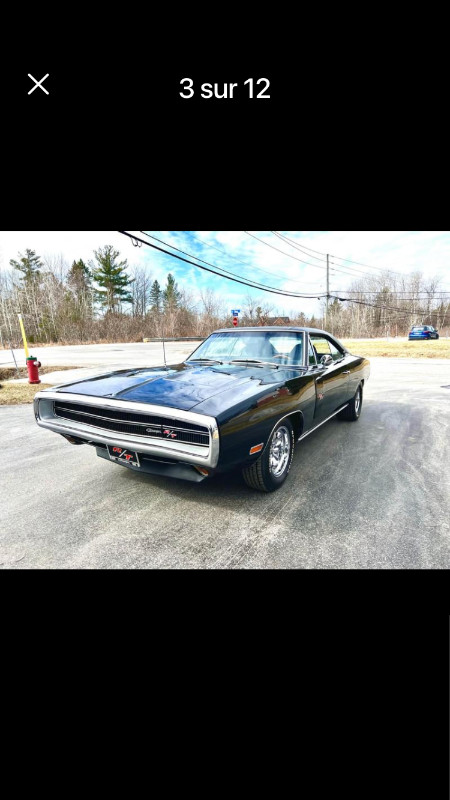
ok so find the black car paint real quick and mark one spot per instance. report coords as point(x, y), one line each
point(246, 400)
point(177, 386)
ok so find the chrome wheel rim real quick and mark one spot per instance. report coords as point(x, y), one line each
point(358, 401)
point(280, 450)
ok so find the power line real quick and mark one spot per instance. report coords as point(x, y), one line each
point(400, 299)
point(355, 273)
point(341, 258)
point(392, 291)
point(383, 307)
point(381, 269)
point(282, 251)
point(214, 271)
point(246, 263)
point(255, 284)
point(344, 268)
point(339, 267)
point(297, 246)
point(306, 248)
point(403, 311)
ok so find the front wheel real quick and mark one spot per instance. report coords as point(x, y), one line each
point(353, 410)
point(271, 469)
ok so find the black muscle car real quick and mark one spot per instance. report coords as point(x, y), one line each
point(241, 400)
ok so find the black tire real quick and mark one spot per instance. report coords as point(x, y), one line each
point(271, 469)
point(353, 410)
point(437, 336)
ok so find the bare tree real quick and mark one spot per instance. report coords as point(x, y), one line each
point(140, 290)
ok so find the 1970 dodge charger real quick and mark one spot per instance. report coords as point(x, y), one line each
point(241, 400)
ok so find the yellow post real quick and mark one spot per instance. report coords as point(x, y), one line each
point(23, 336)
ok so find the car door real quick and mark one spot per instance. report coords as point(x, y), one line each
point(332, 389)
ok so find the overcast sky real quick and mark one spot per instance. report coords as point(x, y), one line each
point(400, 251)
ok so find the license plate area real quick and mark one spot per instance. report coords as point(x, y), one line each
point(122, 455)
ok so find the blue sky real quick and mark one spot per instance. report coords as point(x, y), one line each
point(400, 251)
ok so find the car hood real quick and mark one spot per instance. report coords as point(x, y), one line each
point(180, 386)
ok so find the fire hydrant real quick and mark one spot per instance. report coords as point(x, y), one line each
point(33, 369)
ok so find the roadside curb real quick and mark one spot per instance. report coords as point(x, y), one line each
point(186, 339)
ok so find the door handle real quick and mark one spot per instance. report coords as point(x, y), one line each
point(347, 372)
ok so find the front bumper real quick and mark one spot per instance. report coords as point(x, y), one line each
point(177, 451)
point(184, 472)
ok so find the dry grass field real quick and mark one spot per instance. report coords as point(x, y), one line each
point(13, 394)
point(434, 348)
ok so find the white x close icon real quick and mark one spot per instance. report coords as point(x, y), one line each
point(38, 83)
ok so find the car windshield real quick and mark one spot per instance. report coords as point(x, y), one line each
point(283, 347)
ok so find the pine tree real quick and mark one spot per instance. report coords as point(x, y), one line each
point(171, 295)
point(112, 277)
point(80, 297)
point(29, 265)
point(156, 297)
point(79, 279)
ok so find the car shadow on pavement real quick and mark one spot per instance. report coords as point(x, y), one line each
point(227, 489)
point(341, 461)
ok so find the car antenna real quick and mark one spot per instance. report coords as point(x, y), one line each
point(164, 347)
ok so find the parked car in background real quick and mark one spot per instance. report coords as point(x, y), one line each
point(241, 401)
point(422, 332)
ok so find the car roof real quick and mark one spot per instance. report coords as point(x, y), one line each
point(275, 328)
point(281, 329)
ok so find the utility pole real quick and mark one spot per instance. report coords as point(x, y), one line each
point(328, 291)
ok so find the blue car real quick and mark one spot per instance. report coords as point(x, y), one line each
point(422, 332)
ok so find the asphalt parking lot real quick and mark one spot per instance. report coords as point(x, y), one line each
point(371, 494)
point(100, 357)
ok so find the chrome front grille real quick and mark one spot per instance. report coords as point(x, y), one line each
point(152, 430)
point(149, 426)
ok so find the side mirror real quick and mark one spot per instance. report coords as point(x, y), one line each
point(326, 360)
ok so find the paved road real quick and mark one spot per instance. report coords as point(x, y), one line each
point(137, 354)
point(371, 494)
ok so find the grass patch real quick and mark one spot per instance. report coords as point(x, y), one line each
point(13, 394)
point(434, 348)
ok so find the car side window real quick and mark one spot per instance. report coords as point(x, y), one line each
point(324, 347)
point(321, 346)
point(311, 356)
point(336, 354)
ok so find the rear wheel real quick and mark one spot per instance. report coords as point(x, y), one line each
point(271, 469)
point(353, 410)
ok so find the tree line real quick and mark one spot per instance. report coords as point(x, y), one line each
point(389, 305)
point(102, 300)
point(107, 300)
